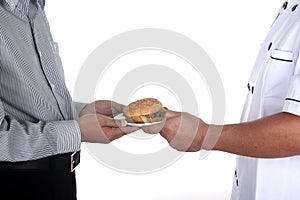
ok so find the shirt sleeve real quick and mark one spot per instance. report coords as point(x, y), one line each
point(292, 100)
point(24, 140)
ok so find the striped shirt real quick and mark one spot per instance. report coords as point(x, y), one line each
point(37, 115)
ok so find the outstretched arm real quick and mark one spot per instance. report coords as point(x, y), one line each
point(270, 137)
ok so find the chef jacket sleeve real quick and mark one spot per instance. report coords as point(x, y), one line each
point(292, 100)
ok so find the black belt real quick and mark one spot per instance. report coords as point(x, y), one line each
point(60, 162)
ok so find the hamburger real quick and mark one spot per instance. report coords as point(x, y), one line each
point(145, 110)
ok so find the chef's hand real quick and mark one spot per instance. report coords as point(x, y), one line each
point(184, 131)
point(153, 129)
point(102, 107)
point(156, 128)
point(97, 128)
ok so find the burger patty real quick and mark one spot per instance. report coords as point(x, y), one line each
point(159, 113)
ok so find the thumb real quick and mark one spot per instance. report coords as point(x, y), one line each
point(116, 107)
point(121, 122)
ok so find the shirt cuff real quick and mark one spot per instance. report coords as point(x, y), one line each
point(292, 101)
point(68, 136)
point(292, 106)
point(79, 106)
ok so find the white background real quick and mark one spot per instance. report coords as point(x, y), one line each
point(229, 31)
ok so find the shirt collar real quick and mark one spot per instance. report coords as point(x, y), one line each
point(18, 7)
point(42, 3)
point(24, 4)
point(12, 3)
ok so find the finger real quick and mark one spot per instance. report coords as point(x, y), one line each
point(116, 108)
point(113, 133)
point(167, 133)
point(129, 129)
point(106, 107)
point(121, 122)
point(164, 135)
point(153, 128)
point(107, 121)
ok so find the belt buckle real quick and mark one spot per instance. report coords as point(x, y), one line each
point(75, 159)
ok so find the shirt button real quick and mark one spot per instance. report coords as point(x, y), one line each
point(248, 86)
point(284, 6)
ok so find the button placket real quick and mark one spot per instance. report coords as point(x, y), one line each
point(45, 67)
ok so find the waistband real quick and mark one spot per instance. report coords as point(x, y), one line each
point(62, 162)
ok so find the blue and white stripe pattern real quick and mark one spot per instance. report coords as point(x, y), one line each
point(37, 115)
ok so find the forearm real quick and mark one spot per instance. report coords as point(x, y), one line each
point(270, 137)
point(24, 140)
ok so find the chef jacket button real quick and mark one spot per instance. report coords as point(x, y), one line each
point(248, 86)
point(270, 45)
point(284, 6)
point(294, 7)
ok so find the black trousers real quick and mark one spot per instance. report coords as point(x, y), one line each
point(37, 185)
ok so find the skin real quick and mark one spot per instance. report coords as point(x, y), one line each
point(270, 137)
point(97, 124)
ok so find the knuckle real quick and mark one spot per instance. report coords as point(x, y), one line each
point(106, 141)
point(110, 138)
point(167, 128)
point(117, 133)
point(110, 135)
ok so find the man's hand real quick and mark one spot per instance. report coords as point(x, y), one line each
point(102, 107)
point(97, 124)
point(184, 131)
point(97, 128)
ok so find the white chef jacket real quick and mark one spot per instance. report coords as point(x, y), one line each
point(274, 87)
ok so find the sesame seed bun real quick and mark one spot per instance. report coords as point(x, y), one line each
point(140, 111)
